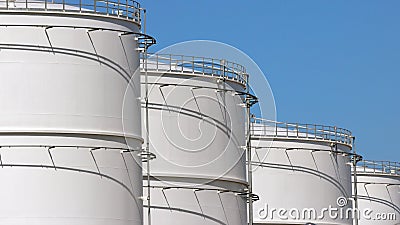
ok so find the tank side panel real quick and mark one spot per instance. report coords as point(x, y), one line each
point(302, 177)
point(197, 132)
point(378, 199)
point(69, 98)
point(197, 207)
point(72, 186)
point(68, 81)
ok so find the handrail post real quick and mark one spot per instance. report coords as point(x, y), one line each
point(335, 133)
point(374, 167)
point(118, 13)
point(192, 64)
point(307, 131)
point(383, 167)
point(330, 133)
point(287, 130)
point(182, 63)
point(363, 166)
point(6, 4)
point(127, 9)
point(265, 129)
point(63, 3)
point(212, 66)
point(170, 62)
point(203, 65)
point(315, 131)
point(223, 68)
point(156, 62)
point(398, 168)
point(107, 7)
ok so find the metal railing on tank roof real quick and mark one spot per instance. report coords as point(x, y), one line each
point(379, 167)
point(268, 128)
point(169, 63)
point(125, 9)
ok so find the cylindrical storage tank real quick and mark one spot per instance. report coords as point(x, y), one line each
point(197, 131)
point(70, 127)
point(378, 192)
point(301, 173)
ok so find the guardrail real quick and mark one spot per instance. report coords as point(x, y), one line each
point(379, 167)
point(195, 65)
point(269, 128)
point(126, 9)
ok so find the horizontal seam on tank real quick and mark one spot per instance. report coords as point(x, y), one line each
point(71, 132)
point(170, 175)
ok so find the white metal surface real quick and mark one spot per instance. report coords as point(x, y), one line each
point(70, 129)
point(298, 167)
point(378, 189)
point(197, 132)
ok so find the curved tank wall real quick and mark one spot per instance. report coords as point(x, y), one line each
point(300, 172)
point(378, 192)
point(70, 119)
point(196, 127)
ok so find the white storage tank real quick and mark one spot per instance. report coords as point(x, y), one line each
point(70, 129)
point(197, 130)
point(300, 171)
point(378, 192)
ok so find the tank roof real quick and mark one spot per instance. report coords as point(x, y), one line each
point(379, 167)
point(273, 129)
point(195, 65)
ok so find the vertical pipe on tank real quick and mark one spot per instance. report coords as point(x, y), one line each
point(355, 182)
point(147, 125)
point(248, 149)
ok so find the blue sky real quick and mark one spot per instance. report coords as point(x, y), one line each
point(328, 62)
